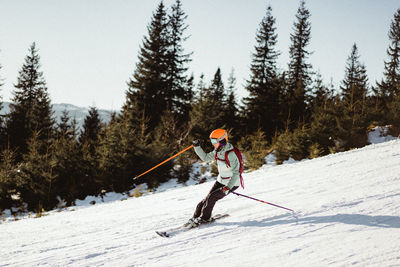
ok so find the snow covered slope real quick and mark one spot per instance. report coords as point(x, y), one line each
point(348, 213)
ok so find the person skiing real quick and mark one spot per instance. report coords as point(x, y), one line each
point(229, 177)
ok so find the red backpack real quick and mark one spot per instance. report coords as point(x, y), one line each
point(240, 158)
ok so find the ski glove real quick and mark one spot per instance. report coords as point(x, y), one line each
point(225, 190)
point(196, 143)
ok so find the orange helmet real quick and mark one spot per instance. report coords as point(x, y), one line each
point(218, 135)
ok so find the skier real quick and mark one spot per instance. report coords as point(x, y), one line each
point(228, 179)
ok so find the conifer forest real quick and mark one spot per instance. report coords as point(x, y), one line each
point(292, 112)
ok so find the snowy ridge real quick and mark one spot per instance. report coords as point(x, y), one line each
point(347, 207)
point(79, 113)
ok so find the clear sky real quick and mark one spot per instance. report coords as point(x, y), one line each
point(89, 48)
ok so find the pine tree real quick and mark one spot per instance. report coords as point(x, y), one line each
point(69, 163)
point(209, 108)
point(64, 128)
point(10, 181)
point(89, 153)
point(171, 135)
point(2, 120)
point(178, 82)
point(37, 172)
point(89, 144)
point(323, 119)
point(354, 86)
point(390, 86)
point(255, 149)
point(1, 84)
point(148, 88)
point(293, 144)
point(232, 120)
point(199, 122)
point(215, 96)
point(299, 74)
point(91, 129)
point(217, 88)
point(31, 109)
point(262, 104)
point(352, 122)
point(124, 153)
point(387, 92)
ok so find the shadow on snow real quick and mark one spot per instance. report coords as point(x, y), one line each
point(353, 219)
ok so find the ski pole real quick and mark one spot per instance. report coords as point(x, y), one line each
point(263, 201)
point(136, 177)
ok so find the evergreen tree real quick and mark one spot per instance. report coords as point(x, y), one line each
point(91, 129)
point(320, 93)
point(293, 144)
point(232, 120)
point(148, 88)
point(64, 128)
point(255, 148)
point(262, 104)
point(299, 74)
point(170, 136)
point(117, 146)
point(354, 86)
point(124, 153)
point(394, 108)
point(89, 144)
point(390, 85)
point(1, 84)
point(388, 90)
point(215, 96)
point(10, 181)
point(323, 128)
point(69, 163)
point(216, 92)
point(353, 120)
point(199, 122)
point(31, 109)
point(209, 108)
point(2, 121)
point(179, 85)
point(37, 172)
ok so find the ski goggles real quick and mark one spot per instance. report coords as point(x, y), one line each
point(214, 141)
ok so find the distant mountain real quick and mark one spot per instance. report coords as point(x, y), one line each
point(79, 113)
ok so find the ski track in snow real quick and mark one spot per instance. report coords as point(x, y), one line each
point(347, 213)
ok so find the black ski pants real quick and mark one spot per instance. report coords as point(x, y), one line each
point(205, 207)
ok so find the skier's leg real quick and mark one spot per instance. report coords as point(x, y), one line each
point(197, 211)
point(210, 201)
point(199, 207)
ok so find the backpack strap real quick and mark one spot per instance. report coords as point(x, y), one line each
point(240, 159)
point(226, 157)
point(217, 158)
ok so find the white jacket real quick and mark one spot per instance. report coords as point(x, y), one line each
point(228, 176)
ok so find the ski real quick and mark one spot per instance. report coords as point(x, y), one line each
point(185, 227)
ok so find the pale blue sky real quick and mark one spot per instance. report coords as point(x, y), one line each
point(89, 48)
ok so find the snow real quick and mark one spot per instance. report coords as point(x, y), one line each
point(347, 213)
point(380, 134)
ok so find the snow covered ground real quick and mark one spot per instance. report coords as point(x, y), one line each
point(347, 213)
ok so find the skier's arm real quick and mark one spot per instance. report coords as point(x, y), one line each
point(234, 161)
point(207, 157)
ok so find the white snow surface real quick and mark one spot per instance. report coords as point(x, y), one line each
point(380, 134)
point(347, 213)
